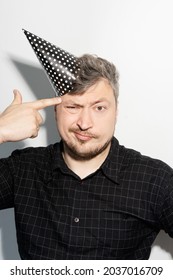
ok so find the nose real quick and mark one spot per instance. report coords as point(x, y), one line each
point(84, 121)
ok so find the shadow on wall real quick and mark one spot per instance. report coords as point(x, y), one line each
point(164, 242)
point(41, 88)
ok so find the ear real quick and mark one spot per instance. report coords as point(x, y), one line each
point(117, 111)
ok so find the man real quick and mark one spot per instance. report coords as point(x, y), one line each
point(86, 197)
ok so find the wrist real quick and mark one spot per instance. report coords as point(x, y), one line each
point(1, 141)
point(1, 135)
point(1, 138)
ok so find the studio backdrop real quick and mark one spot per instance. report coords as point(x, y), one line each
point(136, 35)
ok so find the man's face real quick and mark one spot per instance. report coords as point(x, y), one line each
point(86, 122)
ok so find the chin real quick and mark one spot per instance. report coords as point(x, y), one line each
point(84, 152)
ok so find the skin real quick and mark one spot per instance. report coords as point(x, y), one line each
point(86, 124)
point(22, 120)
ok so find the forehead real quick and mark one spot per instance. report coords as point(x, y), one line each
point(100, 90)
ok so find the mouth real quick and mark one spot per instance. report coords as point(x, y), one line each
point(83, 137)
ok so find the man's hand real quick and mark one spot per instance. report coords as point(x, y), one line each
point(22, 120)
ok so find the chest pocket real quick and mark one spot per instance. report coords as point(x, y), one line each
point(120, 230)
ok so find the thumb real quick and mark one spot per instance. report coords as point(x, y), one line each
point(17, 97)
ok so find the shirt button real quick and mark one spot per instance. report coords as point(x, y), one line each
point(76, 220)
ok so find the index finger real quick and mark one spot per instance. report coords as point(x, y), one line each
point(43, 103)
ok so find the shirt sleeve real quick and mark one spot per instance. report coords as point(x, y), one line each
point(6, 184)
point(166, 214)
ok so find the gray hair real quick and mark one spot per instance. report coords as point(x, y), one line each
point(93, 69)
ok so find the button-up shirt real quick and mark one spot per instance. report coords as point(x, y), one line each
point(114, 213)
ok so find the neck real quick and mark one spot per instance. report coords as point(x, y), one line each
point(83, 168)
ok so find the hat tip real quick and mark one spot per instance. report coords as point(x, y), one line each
point(24, 30)
point(60, 66)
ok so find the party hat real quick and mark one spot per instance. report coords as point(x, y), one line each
point(60, 66)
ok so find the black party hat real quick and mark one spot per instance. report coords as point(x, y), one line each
point(60, 66)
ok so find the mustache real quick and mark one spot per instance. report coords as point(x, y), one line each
point(84, 133)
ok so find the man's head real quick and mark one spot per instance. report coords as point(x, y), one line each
point(87, 115)
point(94, 68)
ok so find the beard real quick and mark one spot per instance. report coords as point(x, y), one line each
point(75, 151)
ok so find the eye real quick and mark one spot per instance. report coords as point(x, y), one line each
point(72, 109)
point(100, 108)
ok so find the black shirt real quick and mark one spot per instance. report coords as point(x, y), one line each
point(114, 213)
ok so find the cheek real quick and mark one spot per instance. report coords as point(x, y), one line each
point(107, 125)
point(64, 120)
point(108, 120)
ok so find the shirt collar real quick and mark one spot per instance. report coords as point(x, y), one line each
point(110, 167)
point(58, 158)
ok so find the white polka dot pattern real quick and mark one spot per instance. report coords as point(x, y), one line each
point(60, 66)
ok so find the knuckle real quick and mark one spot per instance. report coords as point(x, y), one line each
point(39, 119)
point(34, 127)
point(31, 111)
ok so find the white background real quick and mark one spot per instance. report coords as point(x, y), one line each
point(136, 35)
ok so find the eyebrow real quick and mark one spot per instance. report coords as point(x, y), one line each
point(71, 102)
point(100, 100)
